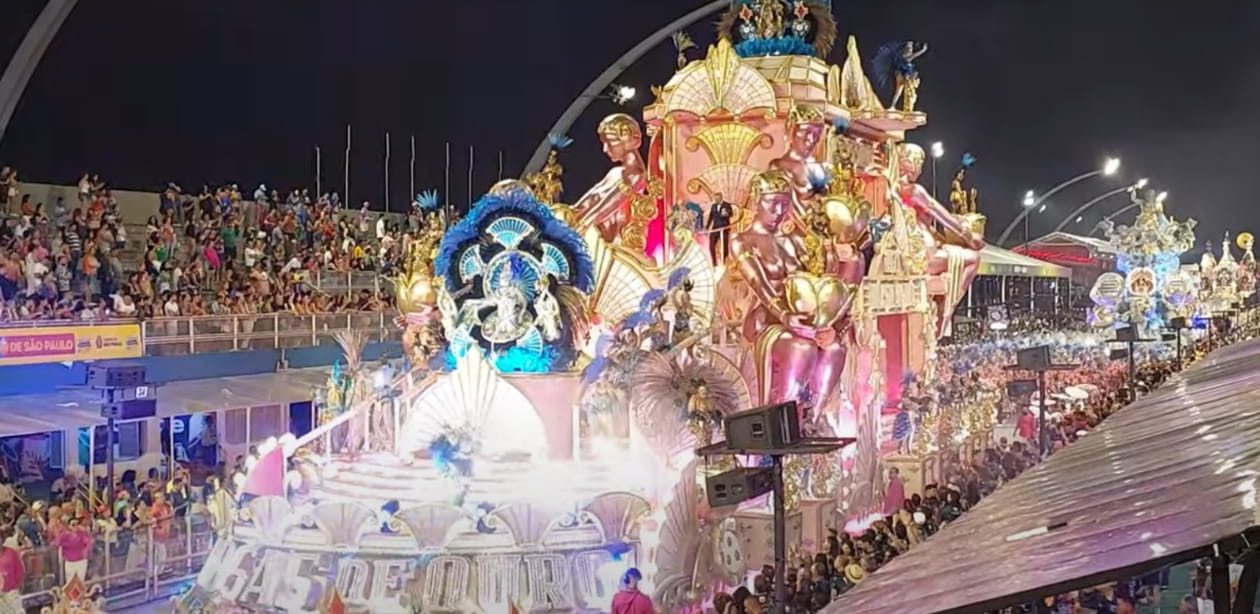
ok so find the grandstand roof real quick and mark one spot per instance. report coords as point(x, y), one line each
point(1162, 481)
point(1060, 238)
point(80, 407)
point(998, 261)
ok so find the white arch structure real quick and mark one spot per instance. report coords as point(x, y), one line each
point(22, 66)
point(605, 79)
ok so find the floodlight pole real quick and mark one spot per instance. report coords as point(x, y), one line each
point(805, 446)
point(780, 536)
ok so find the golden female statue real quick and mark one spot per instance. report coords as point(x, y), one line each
point(804, 130)
point(954, 253)
point(797, 326)
point(606, 206)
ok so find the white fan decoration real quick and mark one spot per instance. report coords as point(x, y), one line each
point(475, 402)
point(621, 284)
point(703, 278)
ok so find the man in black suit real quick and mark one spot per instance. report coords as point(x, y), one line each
point(721, 214)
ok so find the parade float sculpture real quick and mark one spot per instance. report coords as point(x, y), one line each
point(1224, 282)
point(75, 597)
point(1148, 286)
point(599, 339)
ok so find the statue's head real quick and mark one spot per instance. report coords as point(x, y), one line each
point(508, 186)
point(805, 127)
point(912, 157)
point(620, 135)
point(771, 195)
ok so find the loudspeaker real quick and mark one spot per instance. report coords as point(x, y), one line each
point(1126, 334)
point(763, 428)
point(1119, 354)
point(738, 485)
point(1034, 359)
point(1178, 323)
point(1021, 387)
point(130, 410)
point(116, 376)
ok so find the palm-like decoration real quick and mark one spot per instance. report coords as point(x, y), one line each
point(678, 399)
point(682, 42)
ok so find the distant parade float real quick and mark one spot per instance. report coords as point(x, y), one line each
point(566, 357)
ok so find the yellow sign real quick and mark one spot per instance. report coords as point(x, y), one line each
point(30, 346)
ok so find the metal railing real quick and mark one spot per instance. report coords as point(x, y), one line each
point(130, 565)
point(266, 331)
point(181, 336)
point(347, 282)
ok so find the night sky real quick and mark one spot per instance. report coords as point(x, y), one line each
point(196, 91)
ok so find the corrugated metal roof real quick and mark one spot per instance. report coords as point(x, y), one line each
point(995, 260)
point(1094, 243)
point(81, 407)
point(1170, 475)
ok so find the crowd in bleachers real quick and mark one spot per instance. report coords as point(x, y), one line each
point(209, 253)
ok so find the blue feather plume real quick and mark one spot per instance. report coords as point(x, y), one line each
point(676, 278)
point(698, 212)
point(885, 61)
point(594, 370)
point(781, 45)
point(637, 319)
point(968, 160)
point(840, 123)
point(519, 202)
point(428, 200)
point(651, 296)
point(819, 177)
point(559, 141)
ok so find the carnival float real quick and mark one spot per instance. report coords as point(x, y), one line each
point(761, 237)
point(1151, 287)
point(1224, 283)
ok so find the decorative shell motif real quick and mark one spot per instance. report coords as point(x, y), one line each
point(618, 514)
point(528, 523)
point(731, 180)
point(721, 83)
point(344, 523)
point(271, 516)
point(729, 143)
point(431, 525)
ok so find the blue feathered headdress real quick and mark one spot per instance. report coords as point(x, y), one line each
point(678, 276)
point(968, 160)
point(559, 141)
point(520, 203)
point(637, 319)
point(885, 62)
point(840, 123)
point(698, 212)
point(428, 200)
point(650, 297)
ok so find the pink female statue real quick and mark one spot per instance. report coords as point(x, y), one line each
point(797, 327)
point(953, 254)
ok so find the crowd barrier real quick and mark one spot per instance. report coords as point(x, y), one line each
point(271, 331)
point(182, 336)
point(131, 565)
